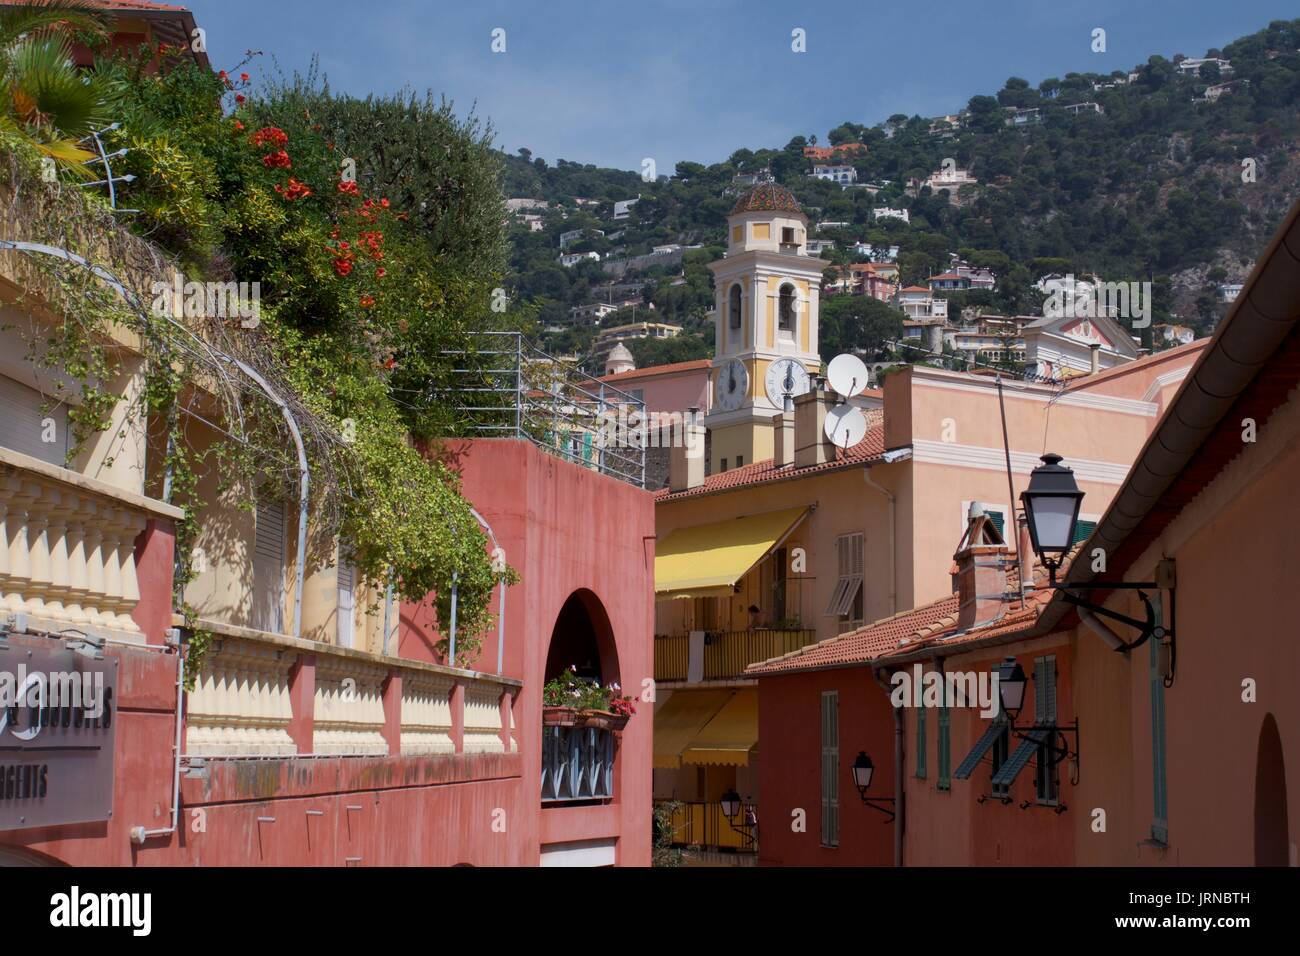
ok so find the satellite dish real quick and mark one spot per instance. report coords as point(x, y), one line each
point(845, 425)
point(847, 374)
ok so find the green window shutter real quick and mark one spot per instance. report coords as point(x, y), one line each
point(920, 742)
point(945, 749)
point(999, 521)
point(1083, 530)
point(830, 796)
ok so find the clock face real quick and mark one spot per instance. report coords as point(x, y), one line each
point(786, 375)
point(732, 385)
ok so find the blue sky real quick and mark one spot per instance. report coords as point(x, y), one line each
point(614, 82)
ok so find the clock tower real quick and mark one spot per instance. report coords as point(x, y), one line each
point(765, 335)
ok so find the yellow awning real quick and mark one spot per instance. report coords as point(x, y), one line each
point(730, 735)
point(681, 717)
point(708, 559)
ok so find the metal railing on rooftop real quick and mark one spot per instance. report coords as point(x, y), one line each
point(511, 389)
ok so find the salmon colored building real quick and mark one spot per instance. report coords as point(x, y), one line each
point(1162, 740)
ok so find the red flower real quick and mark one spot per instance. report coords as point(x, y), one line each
point(348, 186)
point(295, 190)
point(244, 77)
point(279, 159)
point(342, 266)
point(367, 301)
point(381, 272)
point(384, 203)
point(270, 136)
point(239, 97)
point(239, 127)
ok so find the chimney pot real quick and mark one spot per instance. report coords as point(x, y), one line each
point(981, 572)
point(686, 459)
point(783, 439)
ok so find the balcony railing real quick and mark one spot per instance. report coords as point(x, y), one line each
point(67, 547)
point(705, 826)
point(262, 695)
point(577, 764)
point(725, 654)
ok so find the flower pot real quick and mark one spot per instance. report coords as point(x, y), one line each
point(602, 720)
point(559, 716)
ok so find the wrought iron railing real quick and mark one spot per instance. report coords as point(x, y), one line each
point(704, 825)
point(506, 388)
point(577, 764)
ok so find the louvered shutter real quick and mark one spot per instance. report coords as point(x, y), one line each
point(830, 801)
point(22, 423)
point(268, 567)
point(346, 574)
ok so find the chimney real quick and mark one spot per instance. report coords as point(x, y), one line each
point(686, 461)
point(783, 440)
point(981, 572)
point(812, 447)
point(1095, 349)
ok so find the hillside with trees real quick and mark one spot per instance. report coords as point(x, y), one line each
point(1178, 179)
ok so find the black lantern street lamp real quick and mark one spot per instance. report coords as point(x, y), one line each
point(1051, 504)
point(863, 771)
point(731, 809)
point(1052, 509)
point(1011, 687)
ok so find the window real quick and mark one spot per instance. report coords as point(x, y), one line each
point(846, 599)
point(780, 566)
point(830, 768)
point(1046, 779)
point(26, 426)
point(740, 461)
point(945, 746)
point(920, 742)
point(787, 236)
point(724, 465)
point(268, 567)
point(1001, 747)
point(1083, 530)
point(733, 310)
point(786, 309)
point(346, 577)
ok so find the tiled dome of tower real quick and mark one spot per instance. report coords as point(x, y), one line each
point(767, 197)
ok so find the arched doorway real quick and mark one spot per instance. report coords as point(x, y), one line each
point(579, 746)
point(583, 638)
point(1272, 831)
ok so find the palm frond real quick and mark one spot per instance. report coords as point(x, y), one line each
point(49, 91)
point(63, 16)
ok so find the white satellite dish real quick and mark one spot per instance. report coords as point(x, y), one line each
point(847, 374)
point(845, 426)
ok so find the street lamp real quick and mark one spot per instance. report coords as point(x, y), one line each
point(1051, 504)
point(863, 771)
point(1011, 687)
point(1052, 509)
point(731, 808)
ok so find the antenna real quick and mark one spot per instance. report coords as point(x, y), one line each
point(845, 426)
point(847, 375)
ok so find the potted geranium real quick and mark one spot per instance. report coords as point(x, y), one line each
point(574, 701)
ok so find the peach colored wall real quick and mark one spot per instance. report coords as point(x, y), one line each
point(845, 503)
point(1237, 561)
point(670, 391)
point(952, 828)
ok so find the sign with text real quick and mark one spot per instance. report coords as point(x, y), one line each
point(58, 719)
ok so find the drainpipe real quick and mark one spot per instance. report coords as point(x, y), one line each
point(893, 562)
point(139, 834)
point(900, 804)
point(1100, 628)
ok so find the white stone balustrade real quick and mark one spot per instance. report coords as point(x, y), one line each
point(426, 713)
point(67, 548)
point(483, 719)
point(349, 706)
point(240, 705)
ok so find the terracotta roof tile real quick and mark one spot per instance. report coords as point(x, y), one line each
point(652, 370)
point(871, 448)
